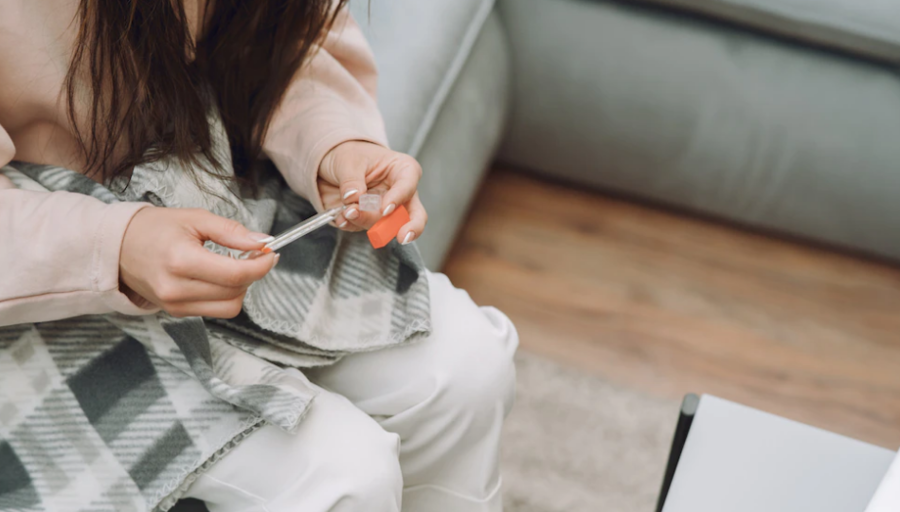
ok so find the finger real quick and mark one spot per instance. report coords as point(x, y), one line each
point(226, 232)
point(403, 181)
point(345, 225)
point(198, 263)
point(359, 219)
point(352, 180)
point(418, 218)
point(216, 309)
point(192, 290)
point(330, 195)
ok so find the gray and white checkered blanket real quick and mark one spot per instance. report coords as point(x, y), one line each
point(119, 413)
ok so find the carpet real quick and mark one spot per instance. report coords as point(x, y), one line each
point(575, 443)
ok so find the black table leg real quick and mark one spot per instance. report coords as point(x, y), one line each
point(685, 418)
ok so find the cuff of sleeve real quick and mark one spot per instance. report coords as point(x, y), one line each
point(105, 263)
point(309, 184)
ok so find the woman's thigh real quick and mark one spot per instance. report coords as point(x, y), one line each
point(469, 352)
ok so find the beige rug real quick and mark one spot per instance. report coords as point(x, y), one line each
point(577, 444)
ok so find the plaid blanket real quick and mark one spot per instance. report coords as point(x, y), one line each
point(119, 413)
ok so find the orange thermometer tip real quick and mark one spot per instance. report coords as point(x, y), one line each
point(387, 228)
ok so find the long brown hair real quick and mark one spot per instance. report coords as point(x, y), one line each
point(146, 87)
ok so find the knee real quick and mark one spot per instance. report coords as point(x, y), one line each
point(367, 482)
point(352, 456)
point(477, 376)
point(364, 467)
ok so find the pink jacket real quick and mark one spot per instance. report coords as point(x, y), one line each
point(59, 252)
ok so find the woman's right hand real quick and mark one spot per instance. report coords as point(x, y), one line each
point(164, 262)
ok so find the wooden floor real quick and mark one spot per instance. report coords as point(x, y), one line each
point(671, 304)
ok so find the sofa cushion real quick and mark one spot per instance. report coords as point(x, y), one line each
point(695, 114)
point(867, 28)
point(420, 47)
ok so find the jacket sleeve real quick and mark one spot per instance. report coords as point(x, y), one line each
point(331, 100)
point(59, 254)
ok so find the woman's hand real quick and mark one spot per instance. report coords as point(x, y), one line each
point(355, 168)
point(164, 262)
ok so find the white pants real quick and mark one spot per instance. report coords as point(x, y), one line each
point(418, 424)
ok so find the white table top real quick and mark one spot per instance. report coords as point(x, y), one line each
point(738, 459)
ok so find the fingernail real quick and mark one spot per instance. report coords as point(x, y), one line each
point(277, 257)
point(387, 211)
point(408, 238)
point(351, 213)
point(342, 224)
point(350, 193)
point(261, 237)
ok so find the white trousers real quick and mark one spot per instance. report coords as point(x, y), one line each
point(414, 428)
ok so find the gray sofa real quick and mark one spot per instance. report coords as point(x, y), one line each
point(780, 114)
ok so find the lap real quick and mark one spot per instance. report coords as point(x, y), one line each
point(441, 394)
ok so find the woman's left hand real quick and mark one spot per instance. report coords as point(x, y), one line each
point(355, 168)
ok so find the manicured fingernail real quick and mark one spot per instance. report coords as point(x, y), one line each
point(408, 238)
point(342, 224)
point(351, 213)
point(387, 211)
point(261, 237)
point(277, 257)
point(350, 193)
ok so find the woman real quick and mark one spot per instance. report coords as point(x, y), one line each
point(113, 394)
